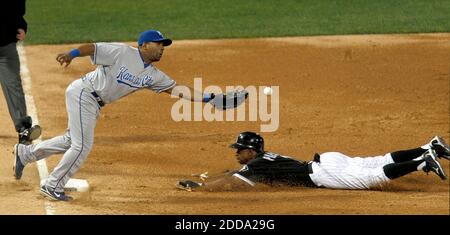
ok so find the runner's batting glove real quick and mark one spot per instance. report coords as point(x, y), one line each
point(188, 185)
point(203, 176)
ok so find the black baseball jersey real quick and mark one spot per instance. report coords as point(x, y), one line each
point(275, 169)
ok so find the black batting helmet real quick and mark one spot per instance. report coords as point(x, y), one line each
point(249, 140)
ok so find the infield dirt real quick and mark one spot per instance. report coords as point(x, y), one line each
point(361, 95)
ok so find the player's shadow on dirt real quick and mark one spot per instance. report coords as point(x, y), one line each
point(9, 187)
point(417, 184)
point(99, 139)
point(7, 137)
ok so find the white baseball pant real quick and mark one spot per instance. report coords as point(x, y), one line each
point(338, 171)
point(83, 111)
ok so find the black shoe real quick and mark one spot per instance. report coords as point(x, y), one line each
point(440, 147)
point(432, 164)
point(18, 165)
point(52, 195)
point(28, 135)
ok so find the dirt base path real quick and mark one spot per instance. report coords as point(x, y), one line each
point(360, 95)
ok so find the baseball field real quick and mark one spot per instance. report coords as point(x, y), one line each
point(362, 77)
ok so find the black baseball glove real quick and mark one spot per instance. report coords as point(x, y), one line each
point(229, 100)
point(188, 185)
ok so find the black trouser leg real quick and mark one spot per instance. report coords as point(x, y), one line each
point(12, 86)
point(395, 170)
point(407, 155)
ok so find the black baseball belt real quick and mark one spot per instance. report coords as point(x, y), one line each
point(310, 170)
point(99, 100)
point(316, 158)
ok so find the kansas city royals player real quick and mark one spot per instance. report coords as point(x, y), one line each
point(330, 170)
point(121, 71)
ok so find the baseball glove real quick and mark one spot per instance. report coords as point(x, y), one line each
point(229, 100)
point(188, 185)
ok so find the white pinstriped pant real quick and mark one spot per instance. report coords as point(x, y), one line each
point(338, 171)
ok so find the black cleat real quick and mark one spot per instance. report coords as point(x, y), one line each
point(432, 164)
point(440, 147)
point(28, 135)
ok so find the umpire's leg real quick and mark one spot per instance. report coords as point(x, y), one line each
point(12, 86)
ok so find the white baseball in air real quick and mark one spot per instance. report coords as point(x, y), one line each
point(267, 91)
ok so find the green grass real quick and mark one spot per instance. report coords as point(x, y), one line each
point(69, 21)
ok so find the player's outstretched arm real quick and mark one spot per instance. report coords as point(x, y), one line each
point(83, 50)
point(224, 183)
point(189, 93)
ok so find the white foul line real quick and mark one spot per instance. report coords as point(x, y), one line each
point(31, 110)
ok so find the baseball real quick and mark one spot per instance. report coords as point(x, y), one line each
point(267, 91)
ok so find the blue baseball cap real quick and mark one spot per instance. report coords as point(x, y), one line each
point(153, 36)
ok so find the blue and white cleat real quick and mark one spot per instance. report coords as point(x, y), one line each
point(18, 165)
point(55, 196)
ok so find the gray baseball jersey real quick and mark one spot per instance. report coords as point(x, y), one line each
point(121, 71)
